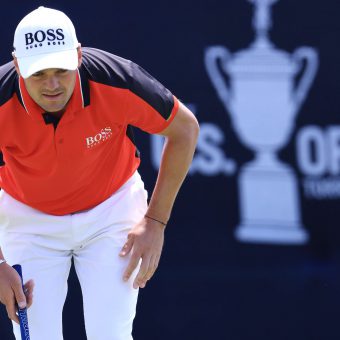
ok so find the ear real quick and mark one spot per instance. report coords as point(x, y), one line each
point(15, 61)
point(80, 55)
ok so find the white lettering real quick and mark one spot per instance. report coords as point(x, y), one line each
point(100, 137)
point(334, 150)
point(311, 151)
point(209, 159)
point(327, 188)
point(89, 141)
point(157, 143)
point(318, 150)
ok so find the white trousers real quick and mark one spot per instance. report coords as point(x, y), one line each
point(45, 244)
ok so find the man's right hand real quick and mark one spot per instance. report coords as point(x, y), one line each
point(11, 292)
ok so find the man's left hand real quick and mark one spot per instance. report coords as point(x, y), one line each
point(145, 241)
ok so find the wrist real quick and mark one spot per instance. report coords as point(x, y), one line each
point(2, 261)
point(157, 213)
point(150, 217)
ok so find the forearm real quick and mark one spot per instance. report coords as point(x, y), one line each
point(1, 255)
point(176, 159)
point(146, 237)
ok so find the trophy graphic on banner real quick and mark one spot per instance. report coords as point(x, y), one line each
point(263, 97)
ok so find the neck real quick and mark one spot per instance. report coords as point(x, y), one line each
point(57, 114)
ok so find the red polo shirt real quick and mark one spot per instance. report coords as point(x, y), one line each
point(90, 153)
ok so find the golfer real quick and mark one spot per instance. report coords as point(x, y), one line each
point(70, 184)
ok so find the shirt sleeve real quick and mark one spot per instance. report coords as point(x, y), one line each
point(150, 106)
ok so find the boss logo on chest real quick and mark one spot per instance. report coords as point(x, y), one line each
point(101, 136)
point(49, 37)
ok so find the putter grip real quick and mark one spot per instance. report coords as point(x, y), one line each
point(25, 334)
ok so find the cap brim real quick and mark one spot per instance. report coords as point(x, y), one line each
point(67, 60)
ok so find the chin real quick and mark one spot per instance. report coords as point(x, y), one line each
point(53, 108)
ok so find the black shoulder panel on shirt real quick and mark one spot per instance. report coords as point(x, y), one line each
point(105, 68)
point(151, 91)
point(109, 69)
point(8, 82)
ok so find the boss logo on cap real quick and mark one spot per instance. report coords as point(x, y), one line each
point(53, 37)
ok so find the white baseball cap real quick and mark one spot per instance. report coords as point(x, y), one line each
point(45, 38)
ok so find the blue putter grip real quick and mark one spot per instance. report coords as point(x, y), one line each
point(25, 334)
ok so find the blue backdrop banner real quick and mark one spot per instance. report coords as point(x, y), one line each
point(252, 247)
